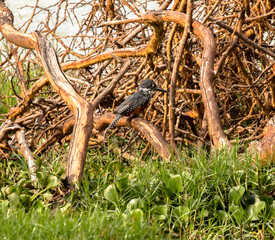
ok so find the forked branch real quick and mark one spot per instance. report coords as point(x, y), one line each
point(206, 70)
point(82, 110)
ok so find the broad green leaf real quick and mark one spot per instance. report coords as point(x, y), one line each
point(159, 217)
point(253, 210)
point(51, 181)
point(175, 183)
point(47, 195)
point(133, 218)
point(140, 189)
point(14, 198)
point(236, 193)
point(122, 183)
point(116, 165)
point(160, 212)
point(111, 193)
point(136, 215)
point(181, 213)
point(135, 203)
point(25, 198)
point(221, 215)
point(9, 190)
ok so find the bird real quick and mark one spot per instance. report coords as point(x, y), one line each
point(137, 102)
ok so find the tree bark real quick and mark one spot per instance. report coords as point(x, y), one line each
point(148, 130)
point(206, 70)
point(82, 109)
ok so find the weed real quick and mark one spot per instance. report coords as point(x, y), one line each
point(209, 196)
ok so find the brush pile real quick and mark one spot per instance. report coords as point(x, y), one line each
point(215, 58)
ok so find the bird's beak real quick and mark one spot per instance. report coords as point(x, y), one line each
point(160, 89)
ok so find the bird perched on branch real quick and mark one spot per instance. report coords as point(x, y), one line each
point(137, 102)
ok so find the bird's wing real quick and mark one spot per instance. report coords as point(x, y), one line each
point(134, 101)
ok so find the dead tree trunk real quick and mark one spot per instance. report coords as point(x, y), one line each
point(82, 109)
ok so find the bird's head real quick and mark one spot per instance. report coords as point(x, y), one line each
point(149, 85)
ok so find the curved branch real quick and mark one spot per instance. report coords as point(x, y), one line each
point(206, 69)
point(148, 130)
point(150, 48)
point(82, 109)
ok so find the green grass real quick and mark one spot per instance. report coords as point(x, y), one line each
point(10, 87)
point(7, 97)
point(214, 196)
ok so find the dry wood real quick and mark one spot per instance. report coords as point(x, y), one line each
point(82, 109)
point(174, 77)
point(9, 127)
point(230, 53)
point(264, 149)
point(150, 132)
point(207, 71)
point(26, 152)
point(246, 39)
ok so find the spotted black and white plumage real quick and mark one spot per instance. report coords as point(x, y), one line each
point(137, 102)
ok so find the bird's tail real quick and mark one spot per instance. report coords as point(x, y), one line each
point(118, 116)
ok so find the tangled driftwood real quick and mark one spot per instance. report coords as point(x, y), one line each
point(191, 59)
point(82, 109)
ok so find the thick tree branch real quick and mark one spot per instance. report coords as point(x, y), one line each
point(206, 70)
point(148, 130)
point(83, 111)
